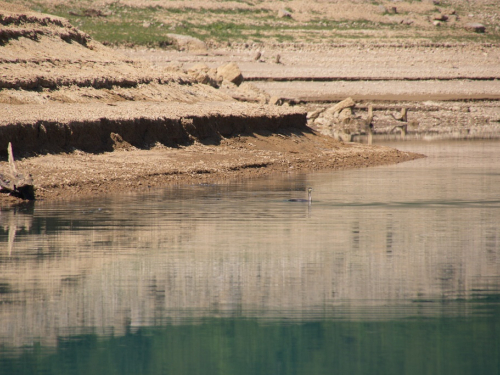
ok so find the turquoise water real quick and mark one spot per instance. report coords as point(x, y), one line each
point(391, 270)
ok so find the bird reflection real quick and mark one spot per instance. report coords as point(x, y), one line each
point(308, 199)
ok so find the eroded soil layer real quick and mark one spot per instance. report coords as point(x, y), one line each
point(35, 129)
point(84, 119)
point(79, 174)
point(136, 146)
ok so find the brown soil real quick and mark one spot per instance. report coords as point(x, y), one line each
point(87, 119)
point(80, 174)
point(155, 144)
point(450, 90)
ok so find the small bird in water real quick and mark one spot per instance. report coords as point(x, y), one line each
point(309, 197)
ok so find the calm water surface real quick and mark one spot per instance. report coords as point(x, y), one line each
point(391, 270)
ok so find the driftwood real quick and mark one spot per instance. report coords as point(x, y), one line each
point(15, 183)
point(403, 116)
point(403, 128)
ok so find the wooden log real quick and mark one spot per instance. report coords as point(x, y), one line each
point(14, 183)
point(403, 116)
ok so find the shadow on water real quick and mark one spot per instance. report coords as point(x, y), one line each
point(390, 270)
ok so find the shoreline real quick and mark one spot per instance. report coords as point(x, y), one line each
point(66, 176)
point(85, 119)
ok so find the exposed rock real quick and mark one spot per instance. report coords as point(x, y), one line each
point(117, 143)
point(262, 95)
point(283, 13)
point(230, 72)
point(205, 79)
point(187, 43)
point(345, 114)
point(340, 121)
point(346, 103)
point(315, 114)
point(436, 23)
point(202, 73)
point(475, 27)
point(94, 13)
point(440, 17)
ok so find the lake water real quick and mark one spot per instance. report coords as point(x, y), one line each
point(391, 270)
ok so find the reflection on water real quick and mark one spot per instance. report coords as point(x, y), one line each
point(390, 270)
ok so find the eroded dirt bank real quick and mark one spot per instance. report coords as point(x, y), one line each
point(84, 119)
point(137, 146)
point(288, 150)
point(35, 129)
point(450, 90)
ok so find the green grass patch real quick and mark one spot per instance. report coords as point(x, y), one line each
point(150, 25)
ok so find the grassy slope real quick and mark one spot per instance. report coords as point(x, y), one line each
point(151, 21)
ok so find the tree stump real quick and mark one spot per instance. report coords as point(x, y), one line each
point(14, 183)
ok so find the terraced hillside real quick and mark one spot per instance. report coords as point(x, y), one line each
point(62, 93)
point(149, 22)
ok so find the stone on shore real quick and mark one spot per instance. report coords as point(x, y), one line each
point(440, 17)
point(475, 27)
point(283, 13)
point(230, 72)
point(188, 43)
